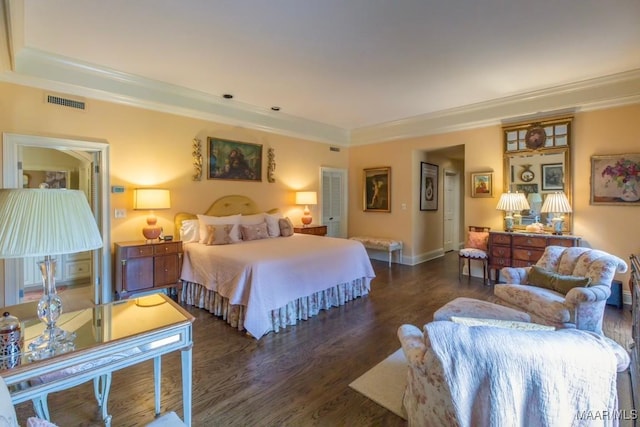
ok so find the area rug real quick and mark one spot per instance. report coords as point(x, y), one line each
point(385, 383)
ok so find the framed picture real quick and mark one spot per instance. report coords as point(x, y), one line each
point(234, 160)
point(377, 189)
point(482, 184)
point(615, 180)
point(428, 187)
point(527, 188)
point(552, 176)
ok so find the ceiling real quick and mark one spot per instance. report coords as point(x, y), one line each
point(334, 67)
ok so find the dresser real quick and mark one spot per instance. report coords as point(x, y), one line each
point(521, 249)
point(141, 266)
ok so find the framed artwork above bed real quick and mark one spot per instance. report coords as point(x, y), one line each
point(233, 160)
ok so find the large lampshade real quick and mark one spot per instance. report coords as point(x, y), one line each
point(556, 204)
point(42, 222)
point(151, 199)
point(47, 222)
point(510, 203)
point(306, 198)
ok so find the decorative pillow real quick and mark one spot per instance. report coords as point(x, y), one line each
point(286, 227)
point(190, 231)
point(219, 234)
point(39, 422)
point(273, 225)
point(506, 324)
point(478, 240)
point(205, 220)
point(542, 278)
point(254, 231)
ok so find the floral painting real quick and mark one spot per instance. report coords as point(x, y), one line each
point(615, 179)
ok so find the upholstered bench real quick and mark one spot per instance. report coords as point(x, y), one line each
point(469, 307)
point(381, 244)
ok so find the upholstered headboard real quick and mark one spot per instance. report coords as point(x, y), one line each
point(224, 206)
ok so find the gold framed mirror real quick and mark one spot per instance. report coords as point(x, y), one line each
point(537, 162)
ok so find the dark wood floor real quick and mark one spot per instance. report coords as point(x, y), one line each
point(298, 377)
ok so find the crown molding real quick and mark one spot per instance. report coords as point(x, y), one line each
point(603, 92)
point(52, 72)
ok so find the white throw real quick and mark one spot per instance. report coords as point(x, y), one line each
point(266, 274)
point(504, 377)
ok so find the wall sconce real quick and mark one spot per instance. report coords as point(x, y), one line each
point(510, 203)
point(151, 199)
point(306, 198)
point(557, 204)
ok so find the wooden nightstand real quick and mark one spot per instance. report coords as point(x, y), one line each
point(316, 230)
point(141, 266)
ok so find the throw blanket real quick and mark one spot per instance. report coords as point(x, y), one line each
point(504, 377)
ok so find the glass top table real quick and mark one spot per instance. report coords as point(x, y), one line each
point(109, 337)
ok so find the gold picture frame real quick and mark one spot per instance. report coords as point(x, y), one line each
point(376, 189)
point(482, 184)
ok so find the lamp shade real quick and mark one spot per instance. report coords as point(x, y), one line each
point(512, 202)
point(306, 198)
point(43, 222)
point(151, 198)
point(556, 203)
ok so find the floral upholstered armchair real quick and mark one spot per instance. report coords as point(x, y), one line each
point(567, 288)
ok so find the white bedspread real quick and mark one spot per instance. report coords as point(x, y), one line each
point(266, 274)
point(500, 377)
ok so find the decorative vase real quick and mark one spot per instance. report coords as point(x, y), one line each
point(630, 190)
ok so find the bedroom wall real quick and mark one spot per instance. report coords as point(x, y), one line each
point(614, 229)
point(150, 148)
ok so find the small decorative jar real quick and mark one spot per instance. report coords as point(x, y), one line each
point(11, 341)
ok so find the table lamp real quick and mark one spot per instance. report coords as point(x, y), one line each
point(557, 204)
point(46, 222)
point(510, 203)
point(151, 199)
point(306, 198)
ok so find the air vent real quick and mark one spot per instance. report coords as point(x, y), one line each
point(337, 149)
point(66, 102)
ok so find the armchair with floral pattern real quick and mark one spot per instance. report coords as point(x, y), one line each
point(581, 307)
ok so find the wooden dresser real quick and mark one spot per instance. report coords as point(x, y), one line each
point(316, 230)
point(141, 267)
point(521, 249)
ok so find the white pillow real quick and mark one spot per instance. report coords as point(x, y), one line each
point(205, 220)
point(273, 224)
point(252, 219)
point(190, 231)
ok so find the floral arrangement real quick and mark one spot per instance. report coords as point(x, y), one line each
point(623, 171)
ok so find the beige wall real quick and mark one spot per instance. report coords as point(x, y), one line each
point(149, 148)
point(614, 229)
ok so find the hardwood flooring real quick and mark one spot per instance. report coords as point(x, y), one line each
point(298, 377)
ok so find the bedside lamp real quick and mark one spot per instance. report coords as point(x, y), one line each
point(151, 199)
point(306, 198)
point(557, 204)
point(46, 222)
point(510, 203)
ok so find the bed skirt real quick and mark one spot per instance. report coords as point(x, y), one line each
point(299, 309)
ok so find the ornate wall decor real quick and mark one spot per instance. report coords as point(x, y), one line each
point(197, 159)
point(271, 157)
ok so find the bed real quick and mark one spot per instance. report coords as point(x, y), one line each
point(267, 284)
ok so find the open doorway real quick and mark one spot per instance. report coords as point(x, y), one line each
point(93, 171)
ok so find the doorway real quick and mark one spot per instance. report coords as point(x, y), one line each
point(333, 183)
point(97, 155)
point(451, 208)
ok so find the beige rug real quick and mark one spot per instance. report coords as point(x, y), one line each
point(385, 383)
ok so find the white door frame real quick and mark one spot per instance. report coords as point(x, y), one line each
point(12, 174)
point(345, 197)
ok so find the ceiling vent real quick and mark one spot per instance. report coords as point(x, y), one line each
point(78, 104)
